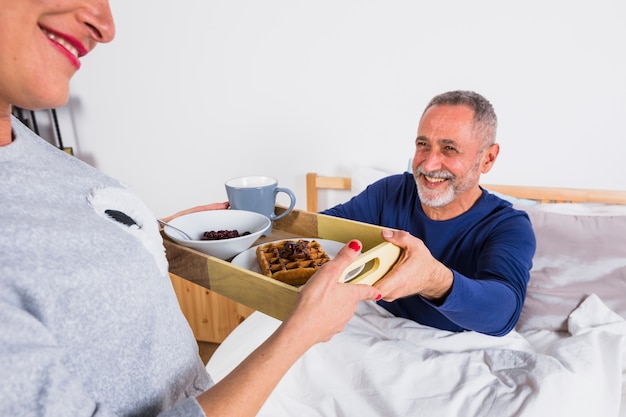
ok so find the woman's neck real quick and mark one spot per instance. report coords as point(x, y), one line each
point(6, 131)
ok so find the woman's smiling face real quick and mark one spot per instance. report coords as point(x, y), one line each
point(41, 43)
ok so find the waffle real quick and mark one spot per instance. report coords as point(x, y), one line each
point(291, 261)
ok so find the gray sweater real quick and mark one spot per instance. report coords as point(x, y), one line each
point(89, 322)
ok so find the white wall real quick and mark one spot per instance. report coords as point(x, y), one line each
point(189, 96)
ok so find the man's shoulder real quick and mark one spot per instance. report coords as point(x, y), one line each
point(395, 180)
point(497, 208)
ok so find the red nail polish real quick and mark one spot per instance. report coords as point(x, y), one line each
point(379, 296)
point(354, 245)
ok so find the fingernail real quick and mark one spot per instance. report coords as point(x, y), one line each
point(387, 233)
point(379, 296)
point(354, 245)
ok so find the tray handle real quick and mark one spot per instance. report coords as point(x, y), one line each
point(385, 254)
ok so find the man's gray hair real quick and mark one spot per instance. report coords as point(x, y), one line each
point(485, 120)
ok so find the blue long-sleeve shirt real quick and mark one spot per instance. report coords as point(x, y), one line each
point(489, 249)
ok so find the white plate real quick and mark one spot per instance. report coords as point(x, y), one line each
point(247, 259)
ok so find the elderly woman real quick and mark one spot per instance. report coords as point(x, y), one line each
point(89, 323)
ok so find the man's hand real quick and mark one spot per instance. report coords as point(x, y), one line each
point(416, 272)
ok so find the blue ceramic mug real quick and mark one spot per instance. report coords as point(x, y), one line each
point(257, 193)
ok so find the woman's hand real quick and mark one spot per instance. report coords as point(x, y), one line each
point(323, 309)
point(325, 305)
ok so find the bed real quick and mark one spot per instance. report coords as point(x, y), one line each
point(566, 357)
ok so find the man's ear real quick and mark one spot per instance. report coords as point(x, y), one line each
point(489, 158)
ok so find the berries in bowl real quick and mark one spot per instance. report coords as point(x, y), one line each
point(219, 233)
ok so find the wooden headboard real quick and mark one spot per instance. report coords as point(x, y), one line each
point(315, 182)
point(560, 195)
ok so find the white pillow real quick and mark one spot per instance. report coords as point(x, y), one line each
point(514, 200)
point(584, 209)
point(362, 176)
point(577, 255)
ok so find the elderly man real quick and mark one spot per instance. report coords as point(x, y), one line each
point(467, 253)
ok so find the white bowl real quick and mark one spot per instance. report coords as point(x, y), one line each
point(195, 224)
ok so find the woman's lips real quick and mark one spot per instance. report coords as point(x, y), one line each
point(71, 47)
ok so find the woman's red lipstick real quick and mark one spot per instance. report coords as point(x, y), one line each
point(68, 45)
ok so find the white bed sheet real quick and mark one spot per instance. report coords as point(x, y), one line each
point(382, 365)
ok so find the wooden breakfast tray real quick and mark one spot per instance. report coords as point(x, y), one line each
point(257, 291)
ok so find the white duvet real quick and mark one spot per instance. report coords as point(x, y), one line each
point(382, 365)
